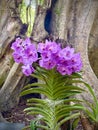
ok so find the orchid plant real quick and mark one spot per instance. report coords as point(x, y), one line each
point(58, 68)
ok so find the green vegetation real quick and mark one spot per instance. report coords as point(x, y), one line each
point(56, 108)
point(27, 14)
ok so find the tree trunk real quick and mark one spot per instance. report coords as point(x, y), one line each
point(72, 21)
point(93, 45)
point(11, 78)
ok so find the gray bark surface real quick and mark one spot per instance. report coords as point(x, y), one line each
point(73, 22)
point(10, 75)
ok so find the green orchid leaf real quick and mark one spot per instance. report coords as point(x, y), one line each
point(37, 76)
point(76, 75)
point(75, 123)
point(68, 88)
point(33, 125)
point(66, 119)
point(36, 110)
point(96, 111)
point(90, 114)
point(34, 85)
point(91, 91)
point(56, 108)
point(65, 94)
point(36, 100)
point(36, 90)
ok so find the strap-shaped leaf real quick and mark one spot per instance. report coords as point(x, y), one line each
point(91, 91)
point(69, 108)
point(75, 123)
point(68, 88)
point(33, 125)
point(44, 101)
point(65, 93)
point(66, 119)
point(33, 85)
point(90, 114)
point(36, 110)
point(36, 90)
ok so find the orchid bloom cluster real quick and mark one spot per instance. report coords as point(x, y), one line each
point(65, 60)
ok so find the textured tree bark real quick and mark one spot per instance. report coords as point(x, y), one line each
point(74, 25)
point(11, 77)
point(2, 119)
point(85, 123)
point(10, 25)
point(93, 45)
point(84, 18)
point(38, 32)
point(96, 126)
